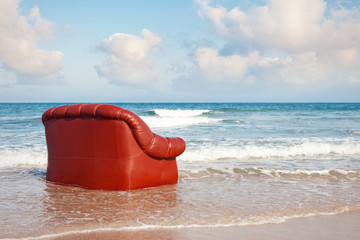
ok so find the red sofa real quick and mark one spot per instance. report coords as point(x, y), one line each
point(102, 146)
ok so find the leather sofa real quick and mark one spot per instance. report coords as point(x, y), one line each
point(102, 146)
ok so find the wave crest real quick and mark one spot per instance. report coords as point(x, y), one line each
point(248, 151)
point(167, 118)
point(16, 158)
point(179, 112)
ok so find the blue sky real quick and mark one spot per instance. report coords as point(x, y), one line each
point(179, 51)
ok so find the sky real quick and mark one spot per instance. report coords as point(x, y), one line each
point(180, 51)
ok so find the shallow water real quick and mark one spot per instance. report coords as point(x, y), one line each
point(244, 164)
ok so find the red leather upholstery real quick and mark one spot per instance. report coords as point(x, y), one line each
point(107, 147)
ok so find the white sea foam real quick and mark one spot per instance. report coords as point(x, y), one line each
point(166, 118)
point(209, 153)
point(260, 220)
point(14, 158)
point(305, 149)
point(20, 118)
point(171, 122)
point(179, 112)
point(336, 173)
point(233, 173)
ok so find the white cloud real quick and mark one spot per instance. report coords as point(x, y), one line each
point(127, 58)
point(300, 69)
point(347, 57)
point(219, 68)
point(306, 45)
point(295, 25)
point(354, 80)
point(303, 68)
point(18, 45)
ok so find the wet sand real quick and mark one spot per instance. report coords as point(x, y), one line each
point(341, 226)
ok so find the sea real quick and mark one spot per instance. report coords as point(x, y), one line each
point(245, 164)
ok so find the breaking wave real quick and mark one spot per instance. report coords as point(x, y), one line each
point(248, 151)
point(167, 118)
point(179, 112)
point(28, 157)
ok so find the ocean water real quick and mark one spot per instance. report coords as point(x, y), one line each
point(245, 164)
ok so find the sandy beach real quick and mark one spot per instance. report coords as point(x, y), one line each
point(245, 164)
point(340, 226)
point(182, 120)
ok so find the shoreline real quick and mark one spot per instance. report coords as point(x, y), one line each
point(337, 226)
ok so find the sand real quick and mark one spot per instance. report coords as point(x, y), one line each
point(341, 226)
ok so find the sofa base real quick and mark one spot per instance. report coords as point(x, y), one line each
point(102, 154)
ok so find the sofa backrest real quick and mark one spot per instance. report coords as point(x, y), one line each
point(152, 144)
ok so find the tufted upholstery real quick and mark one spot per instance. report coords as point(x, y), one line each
point(104, 146)
point(151, 143)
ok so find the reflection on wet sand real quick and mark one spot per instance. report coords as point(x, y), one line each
point(32, 207)
point(71, 208)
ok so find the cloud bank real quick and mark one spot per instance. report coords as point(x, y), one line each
point(19, 53)
point(295, 42)
point(127, 58)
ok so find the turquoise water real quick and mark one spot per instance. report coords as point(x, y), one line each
point(245, 163)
